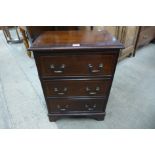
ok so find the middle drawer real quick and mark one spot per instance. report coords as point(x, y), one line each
point(64, 88)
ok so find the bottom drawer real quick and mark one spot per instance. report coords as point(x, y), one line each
point(76, 105)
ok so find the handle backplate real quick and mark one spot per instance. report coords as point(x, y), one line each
point(92, 70)
point(60, 91)
point(57, 69)
point(93, 92)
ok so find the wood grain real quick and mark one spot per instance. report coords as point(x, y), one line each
point(76, 80)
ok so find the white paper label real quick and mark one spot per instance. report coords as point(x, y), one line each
point(75, 45)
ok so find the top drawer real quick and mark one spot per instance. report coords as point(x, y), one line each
point(76, 65)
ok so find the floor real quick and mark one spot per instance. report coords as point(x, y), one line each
point(131, 103)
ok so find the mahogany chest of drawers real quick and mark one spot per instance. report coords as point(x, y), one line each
point(76, 70)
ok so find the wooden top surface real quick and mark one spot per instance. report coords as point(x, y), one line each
point(57, 40)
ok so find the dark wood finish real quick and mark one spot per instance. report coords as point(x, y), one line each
point(65, 40)
point(96, 116)
point(85, 105)
point(78, 65)
point(30, 33)
point(35, 31)
point(80, 87)
point(76, 80)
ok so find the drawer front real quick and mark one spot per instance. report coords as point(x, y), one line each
point(61, 88)
point(76, 65)
point(146, 36)
point(75, 105)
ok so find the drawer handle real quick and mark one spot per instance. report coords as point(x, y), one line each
point(97, 89)
point(58, 69)
point(90, 108)
point(91, 70)
point(62, 109)
point(56, 90)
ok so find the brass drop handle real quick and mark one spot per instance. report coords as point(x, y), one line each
point(91, 70)
point(62, 109)
point(56, 90)
point(90, 108)
point(97, 89)
point(58, 69)
point(92, 93)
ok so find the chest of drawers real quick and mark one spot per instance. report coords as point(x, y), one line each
point(76, 70)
